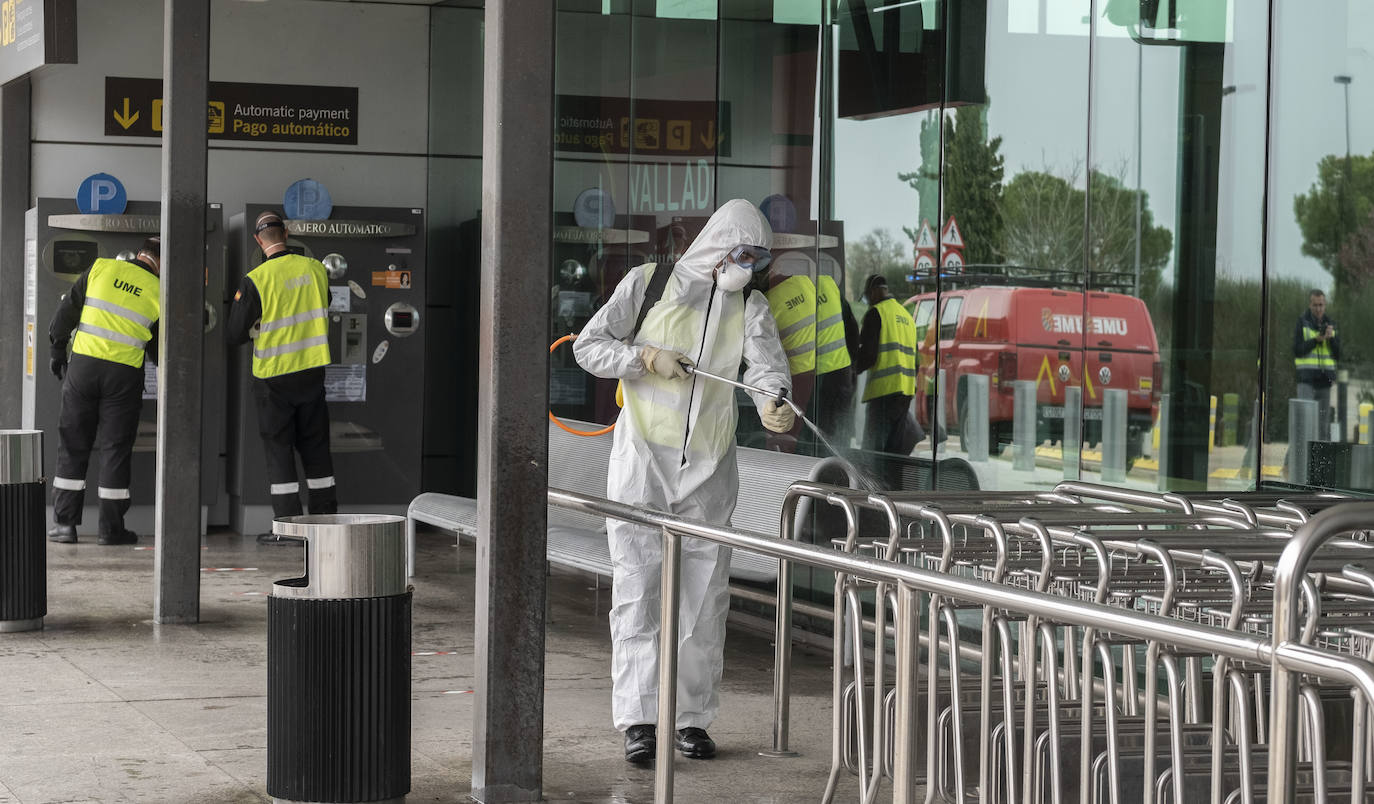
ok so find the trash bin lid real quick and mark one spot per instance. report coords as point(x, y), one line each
point(21, 456)
point(346, 555)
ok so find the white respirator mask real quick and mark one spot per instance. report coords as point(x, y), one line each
point(731, 277)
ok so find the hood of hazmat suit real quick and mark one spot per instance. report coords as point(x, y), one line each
point(674, 451)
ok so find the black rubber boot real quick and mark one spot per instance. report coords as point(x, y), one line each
point(62, 534)
point(124, 536)
point(641, 743)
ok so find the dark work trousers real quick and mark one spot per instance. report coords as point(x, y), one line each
point(293, 417)
point(835, 405)
point(101, 401)
point(890, 427)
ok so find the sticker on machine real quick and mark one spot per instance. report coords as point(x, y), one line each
point(28, 348)
point(357, 289)
point(347, 383)
point(393, 280)
point(340, 301)
point(380, 351)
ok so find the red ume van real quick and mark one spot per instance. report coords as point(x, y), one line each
point(1057, 338)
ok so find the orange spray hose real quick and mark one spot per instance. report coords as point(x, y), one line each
point(555, 419)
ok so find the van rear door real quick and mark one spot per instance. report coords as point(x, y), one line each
point(1049, 342)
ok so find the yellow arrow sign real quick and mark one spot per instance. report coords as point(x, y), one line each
point(125, 120)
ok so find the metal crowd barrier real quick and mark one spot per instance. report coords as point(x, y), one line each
point(1086, 643)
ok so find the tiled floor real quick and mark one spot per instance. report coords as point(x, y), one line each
point(105, 706)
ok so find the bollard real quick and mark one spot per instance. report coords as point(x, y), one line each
point(1162, 453)
point(1211, 424)
point(1230, 419)
point(338, 664)
point(974, 434)
point(23, 517)
point(1023, 432)
point(1302, 429)
point(941, 418)
point(1073, 431)
point(1114, 435)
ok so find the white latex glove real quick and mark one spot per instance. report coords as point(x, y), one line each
point(777, 416)
point(665, 362)
point(255, 330)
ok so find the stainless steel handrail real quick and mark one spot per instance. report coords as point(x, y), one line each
point(911, 580)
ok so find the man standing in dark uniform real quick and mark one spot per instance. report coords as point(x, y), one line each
point(1316, 348)
point(113, 308)
point(283, 306)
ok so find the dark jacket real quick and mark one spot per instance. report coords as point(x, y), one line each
point(1303, 346)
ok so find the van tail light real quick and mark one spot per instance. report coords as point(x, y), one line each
point(1156, 381)
point(1006, 371)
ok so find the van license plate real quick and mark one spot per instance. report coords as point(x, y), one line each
point(1057, 412)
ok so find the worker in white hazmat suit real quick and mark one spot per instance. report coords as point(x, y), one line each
point(675, 451)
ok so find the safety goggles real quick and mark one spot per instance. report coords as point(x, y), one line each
point(754, 258)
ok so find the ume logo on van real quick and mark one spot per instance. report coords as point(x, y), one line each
point(1073, 324)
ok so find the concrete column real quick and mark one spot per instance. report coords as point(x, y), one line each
point(1023, 435)
point(1114, 435)
point(14, 201)
point(974, 435)
point(186, 75)
point(1073, 431)
point(1302, 429)
point(512, 401)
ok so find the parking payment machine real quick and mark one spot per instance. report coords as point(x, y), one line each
point(375, 258)
point(60, 243)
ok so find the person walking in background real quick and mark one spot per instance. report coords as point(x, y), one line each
point(282, 307)
point(113, 308)
point(1316, 348)
point(887, 351)
point(674, 451)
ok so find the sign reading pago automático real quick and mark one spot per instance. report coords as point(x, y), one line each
point(239, 111)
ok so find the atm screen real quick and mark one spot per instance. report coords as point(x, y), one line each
point(73, 256)
point(402, 320)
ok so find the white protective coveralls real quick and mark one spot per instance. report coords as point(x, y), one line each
point(674, 451)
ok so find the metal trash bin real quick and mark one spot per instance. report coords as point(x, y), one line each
point(23, 519)
point(338, 664)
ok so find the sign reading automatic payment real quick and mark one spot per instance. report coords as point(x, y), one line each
point(240, 111)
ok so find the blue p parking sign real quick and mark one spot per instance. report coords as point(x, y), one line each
point(101, 194)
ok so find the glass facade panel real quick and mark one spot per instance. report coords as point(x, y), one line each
point(1097, 222)
point(1317, 380)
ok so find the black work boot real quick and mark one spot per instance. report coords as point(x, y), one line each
point(62, 534)
point(122, 536)
point(695, 743)
point(641, 743)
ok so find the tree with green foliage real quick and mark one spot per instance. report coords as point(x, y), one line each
point(1043, 216)
point(878, 252)
point(1334, 210)
point(972, 183)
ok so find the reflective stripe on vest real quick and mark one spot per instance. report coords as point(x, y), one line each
point(1320, 358)
point(793, 302)
point(895, 370)
point(118, 314)
point(831, 352)
point(294, 333)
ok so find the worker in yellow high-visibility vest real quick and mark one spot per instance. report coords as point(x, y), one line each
point(113, 308)
point(887, 351)
point(792, 300)
point(1316, 348)
point(282, 307)
point(837, 337)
